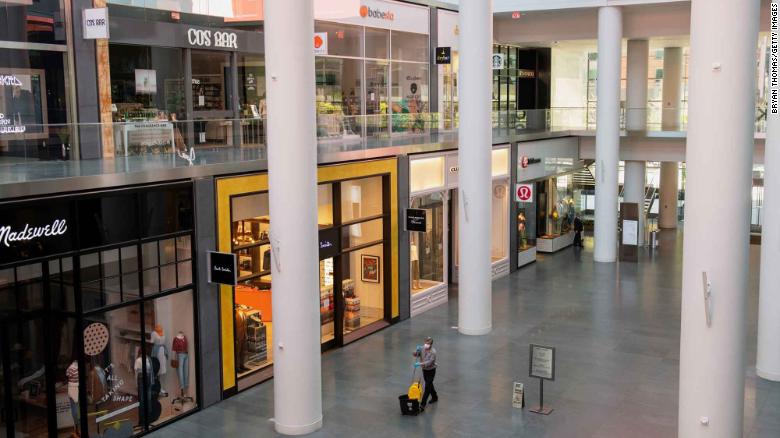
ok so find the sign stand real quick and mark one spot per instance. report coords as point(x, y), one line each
point(542, 409)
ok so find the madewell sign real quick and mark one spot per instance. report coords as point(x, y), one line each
point(207, 38)
point(8, 235)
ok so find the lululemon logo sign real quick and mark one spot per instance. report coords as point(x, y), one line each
point(524, 193)
point(207, 38)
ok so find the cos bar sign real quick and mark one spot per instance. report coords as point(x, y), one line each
point(207, 38)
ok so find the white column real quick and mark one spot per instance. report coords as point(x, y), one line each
point(634, 183)
point(475, 19)
point(638, 52)
point(292, 178)
point(610, 34)
point(768, 359)
point(668, 194)
point(720, 124)
point(672, 88)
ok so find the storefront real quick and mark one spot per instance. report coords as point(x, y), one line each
point(97, 312)
point(546, 196)
point(358, 263)
point(35, 81)
point(433, 254)
point(447, 36)
point(193, 68)
point(372, 68)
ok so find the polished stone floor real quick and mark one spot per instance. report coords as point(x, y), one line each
point(616, 333)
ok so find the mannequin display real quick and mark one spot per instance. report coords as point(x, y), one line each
point(159, 351)
point(72, 374)
point(414, 254)
point(180, 349)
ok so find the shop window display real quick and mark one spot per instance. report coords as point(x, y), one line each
point(426, 249)
point(409, 96)
point(500, 207)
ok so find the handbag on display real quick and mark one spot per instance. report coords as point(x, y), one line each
point(174, 363)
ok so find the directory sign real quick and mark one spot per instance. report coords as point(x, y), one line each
point(541, 362)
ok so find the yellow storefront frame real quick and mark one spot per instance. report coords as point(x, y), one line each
point(237, 185)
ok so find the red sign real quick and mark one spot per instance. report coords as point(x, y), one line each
point(524, 193)
point(516, 15)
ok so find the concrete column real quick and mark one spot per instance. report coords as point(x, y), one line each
point(672, 88)
point(721, 111)
point(768, 360)
point(292, 178)
point(610, 34)
point(474, 158)
point(668, 194)
point(638, 52)
point(634, 183)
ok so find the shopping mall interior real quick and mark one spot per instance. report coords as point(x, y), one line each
point(388, 217)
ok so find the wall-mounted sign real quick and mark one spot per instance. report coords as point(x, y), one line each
point(416, 220)
point(95, 23)
point(329, 243)
point(499, 61)
point(454, 169)
point(525, 161)
point(222, 268)
point(10, 81)
point(321, 43)
point(368, 12)
point(526, 74)
point(524, 193)
point(541, 362)
point(36, 230)
point(207, 38)
point(443, 55)
point(9, 235)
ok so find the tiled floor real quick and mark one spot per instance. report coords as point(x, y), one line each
point(616, 331)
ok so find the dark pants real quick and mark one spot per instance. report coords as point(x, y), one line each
point(578, 238)
point(428, 376)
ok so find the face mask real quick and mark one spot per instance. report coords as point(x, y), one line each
point(427, 346)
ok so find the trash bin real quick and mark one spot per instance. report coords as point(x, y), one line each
point(654, 239)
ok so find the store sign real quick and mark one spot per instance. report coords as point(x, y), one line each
point(222, 268)
point(416, 220)
point(499, 61)
point(329, 243)
point(443, 55)
point(321, 43)
point(524, 193)
point(207, 38)
point(541, 362)
point(526, 74)
point(95, 23)
point(35, 231)
point(525, 161)
point(367, 12)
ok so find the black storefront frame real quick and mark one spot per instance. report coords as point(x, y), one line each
point(338, 340)
point(79, 317)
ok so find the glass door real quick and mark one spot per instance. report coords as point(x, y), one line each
point(212, 98)
point(327, 303)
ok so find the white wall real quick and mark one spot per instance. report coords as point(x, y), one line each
point(569, 77)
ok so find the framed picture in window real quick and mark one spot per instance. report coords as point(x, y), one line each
point(370, 268)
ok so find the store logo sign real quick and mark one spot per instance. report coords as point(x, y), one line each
point(56, 228)
point(207, 38)
point(525, 161)
point(367, 12)
point(10, 81)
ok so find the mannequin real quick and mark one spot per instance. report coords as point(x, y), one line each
point(72, 374)
point(180, 348)
point(414, 254)
point(161, 353)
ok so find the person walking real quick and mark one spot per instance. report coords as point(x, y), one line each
point(578, 231)
point(426, 359)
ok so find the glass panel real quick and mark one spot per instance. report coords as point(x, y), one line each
point(114, 359)
point(253, 260)
point(254, 325)
point(28, 376)
point(500, 221)
point(338, 93)
point(210, 73)
point(63, 340)
point(183, 248)
point(409, 96)
point(377, 43)
point(130, 289)
point(324, 205)
point(168, 277)
point(426, 173)
point(250, 220)
point(7, 292)
point(377, 96)
point(173, 390)
point(343, 39)
point(151, 281)
point(361, 198)
point(110, 260)
point(90, 269)
point(184, 271)
point(364, 232)
point(104, 220)
point(149, 255)
point(363, 288)
point(29, 287)
point(129, 259)
point(327, 303)
point(166, 211)
point(427, 249)
point(167, 251)
point(409, 46)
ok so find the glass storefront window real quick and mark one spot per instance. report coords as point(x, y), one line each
point(499, 248)
point(377, 43)
point(409, 46)
point(38, 22)
point(363, 288)
point(327, 301)
point(251, 86)
point(210, 74)
point(409, 96)
point(338, 85)
point(343, 39)
point(427, 249)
